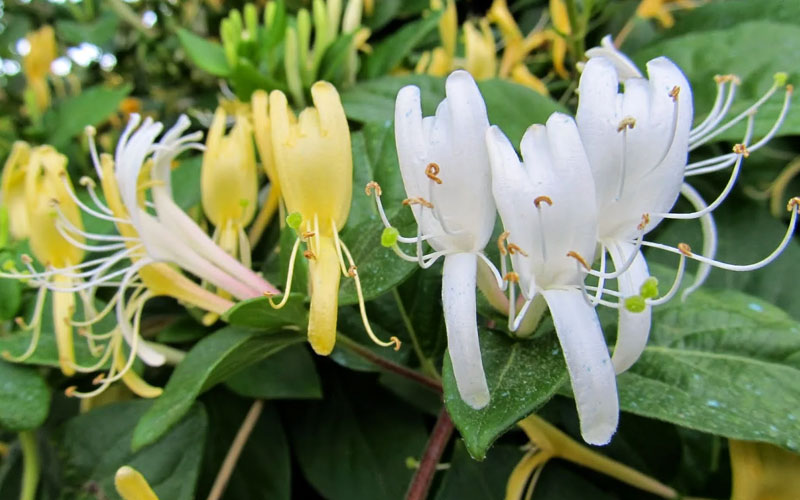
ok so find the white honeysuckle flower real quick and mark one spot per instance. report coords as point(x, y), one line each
point(445, 170)
point(547, 205)
point(638, 142)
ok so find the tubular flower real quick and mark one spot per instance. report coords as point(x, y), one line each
point(481, 60)
point(558, 11)
point(661, 10)
point(547, 205)
point(445, 170)
point(13, 189)
point(637, 143)
point(314, 163)
point(263, 135)
point(229, 183)
point(131, 485)
point(36, 64)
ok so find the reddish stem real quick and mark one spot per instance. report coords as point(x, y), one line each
point(440, 436)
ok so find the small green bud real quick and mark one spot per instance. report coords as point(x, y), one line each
point(649, 289)
point(251, 21)
point(781, 78)
point(294, 219)
point(635, 304)
point(389, 237)
point(244, 202)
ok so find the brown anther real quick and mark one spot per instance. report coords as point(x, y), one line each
point(432, 171)
point(741, 149)
point(268, 294)
point(372, 185)
point(727, 78)
point(789, 88)
point(575, 255)
point(514, 248)
point(501, 242)
point(674, 93)
point(307, 234)
point(308, 254)
point(418, 201)
point(511, 277)
point(70, 391)
point(352, 271)
point(83, 332)
point(53, 202)
point(396, 342)
point(685, 249)
point(19, 321)
point(99, 379)
point(793, 203)
point(627, 122)
point(26, 259)
point(542, 199)
point(645, 221)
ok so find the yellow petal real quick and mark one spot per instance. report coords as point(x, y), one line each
point(132, 379)
point(480, 51)
point(325, 273)
point(763, 471)
point(522, 75)
point(448, 29)
point(131, 485)
point(36, 64)
point(263, 134)
point(560, 16)
point(501, 16)
point(63, 310)
point(518, 480)
point(13, 189)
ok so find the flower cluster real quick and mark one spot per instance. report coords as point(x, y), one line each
point(586, 188)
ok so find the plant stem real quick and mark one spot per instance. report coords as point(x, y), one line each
point(391, 366)
point(425, 362)
point(235, 450)
point(31, 466)
point(576, 32)
point(440, 436)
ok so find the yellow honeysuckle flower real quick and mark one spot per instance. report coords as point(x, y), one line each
point(263, 134)
point(229, 183)
point(481, 57)
point(549, 442)
point(558, 12)
point(36, 64)
point(131, 485)
point(13, 189)
point(763, 471)
point(314, 163)
point(661, 10)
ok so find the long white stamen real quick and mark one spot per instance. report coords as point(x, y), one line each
point(90, 187)
point(514, 326)
point(90, 134)
point(35, 325)
point(714, 164)
point(709, 238)
point(673, 129)
point(624, 267)
point(83, 206)
point(83, 246)
point(501, 283)
point(716, 115)
point(373, 187)
point(676, 284)
point(601, 278)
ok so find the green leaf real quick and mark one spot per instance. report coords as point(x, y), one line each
point(390, 52)
point(722, 362)
point(754, 51)
point(263, 471)
point(100, 32)
point(206, 55)
point(24, 397)
point(95, 445)
point(373, 100)
point(522, 376)
point(211, 361)
point(258, 313)
point(467, 479)
point(353, 444)
point(288, 374)
point(10, 298)
point(722, 15)
point(71, 116)
point(335, 58)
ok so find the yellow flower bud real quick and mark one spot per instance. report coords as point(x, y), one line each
point(131, 485)
point(228, 179)
point(36, 64)
point(13, 189)
point(480, 50)
point(762, 471)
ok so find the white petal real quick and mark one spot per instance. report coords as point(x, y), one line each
point(458, 301)
point(633, 328)
point(591, 372)
point(624, 66)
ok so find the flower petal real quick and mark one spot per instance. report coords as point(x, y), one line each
point(591, 372)
point(634, 327)
point(458, 300)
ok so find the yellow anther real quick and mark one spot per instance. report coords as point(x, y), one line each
point(90, 131)
point(308, 234)
point(432, 171)
point(26, 259)
point(645, 221)
point(627, 122)
point(685, 249)
point(20, 322)
point(793, 203)
point(514, 248)
point(373, 185)
point(99, 379)
point(87, 181)
point(418, 201)
point(308, 254)
point(501, 242)
point(790, 88)
point(542, 199)
point(267, 294)
point(575, 255)
point(70, 391)
point(352, 271)
point(674, 93)
point(727, 78)
point(741, 149)
point(511, 277)
point(396, 342)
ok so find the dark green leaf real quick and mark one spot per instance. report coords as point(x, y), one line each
point(289, 374)
point(212, 360)
point(354, 444)
point(206, 55)
point(522, 376)
point(99, 32)
point(335, 58)
point(373, 100)
point(754, 51)
point(258, 313)
point(722, 15)
point(92, 106)
point(10, 298)
point(95, 445)
point(24, 397)
point(467, 479)
point(390, 52)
